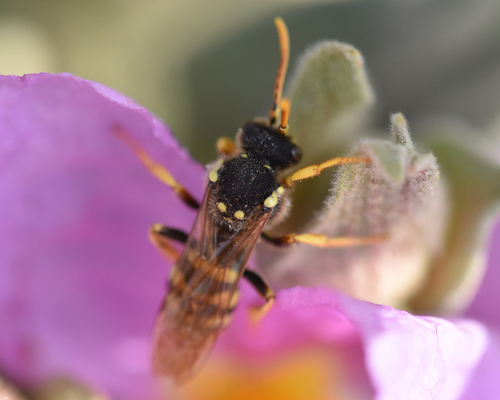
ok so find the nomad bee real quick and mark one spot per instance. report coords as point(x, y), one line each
point(246, 193)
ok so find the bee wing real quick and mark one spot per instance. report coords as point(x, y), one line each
point(202, 285)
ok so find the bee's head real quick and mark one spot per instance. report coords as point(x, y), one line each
point(270, 144)
point(262, 139)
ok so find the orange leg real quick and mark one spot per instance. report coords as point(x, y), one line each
point(315, 170)
point(317, 239)
point(324, 241)
point(225, 146)
point(156, 169)
point(161, 236)
point(258, 312)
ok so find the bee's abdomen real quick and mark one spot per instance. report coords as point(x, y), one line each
point(204, 307)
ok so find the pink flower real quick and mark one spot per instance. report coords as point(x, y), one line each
point(80, 283)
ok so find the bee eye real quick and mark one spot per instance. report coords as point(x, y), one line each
point(296, 153)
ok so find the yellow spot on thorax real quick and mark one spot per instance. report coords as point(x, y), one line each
point(271, 201)
point(213, 175)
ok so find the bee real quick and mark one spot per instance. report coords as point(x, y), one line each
point(246, 193)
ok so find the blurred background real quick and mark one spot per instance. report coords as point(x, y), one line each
point(207, 66)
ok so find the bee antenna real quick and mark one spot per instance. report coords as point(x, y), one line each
point(284, 40)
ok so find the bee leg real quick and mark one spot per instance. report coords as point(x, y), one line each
point(315, 170)
point(156, 170)
point(225, 146)
point(258, 312)
point(161, 236)
point(323, 241)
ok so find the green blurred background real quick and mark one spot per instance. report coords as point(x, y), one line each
point(207, 66)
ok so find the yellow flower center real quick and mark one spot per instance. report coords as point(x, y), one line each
point(309, 375)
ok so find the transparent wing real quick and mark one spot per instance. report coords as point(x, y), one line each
point(201, 288)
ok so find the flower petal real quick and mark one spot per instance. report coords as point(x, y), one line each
point(406, 356)
point(79, 281)
point(376, 351)
point(74, 298)
point(486, 304)
point(415, 357)
point(484, 383)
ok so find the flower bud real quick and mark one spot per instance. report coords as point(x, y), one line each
point(397, 195)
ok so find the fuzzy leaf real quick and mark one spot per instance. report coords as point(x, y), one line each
point(331, 97)
point(329, 93)
point(390, 159)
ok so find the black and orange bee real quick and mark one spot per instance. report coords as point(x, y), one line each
point(246, 193)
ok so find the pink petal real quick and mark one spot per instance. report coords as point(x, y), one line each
point(79, 281)
point(416, 357)
point(405, 356)
point(484, 383)
point(486, 304)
